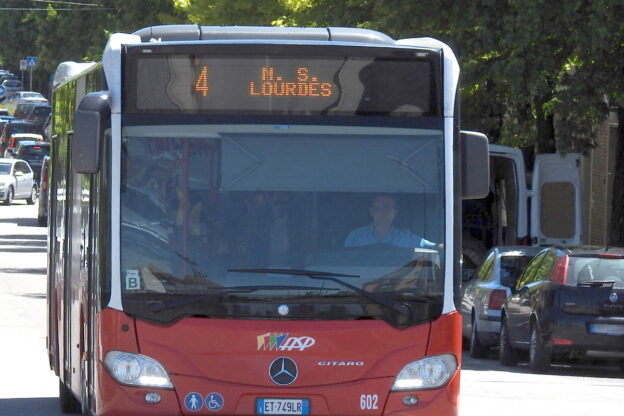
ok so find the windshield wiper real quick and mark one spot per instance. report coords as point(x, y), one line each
point(399, 308)
point(163, 305)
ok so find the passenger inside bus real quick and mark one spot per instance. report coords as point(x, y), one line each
point(383, 212)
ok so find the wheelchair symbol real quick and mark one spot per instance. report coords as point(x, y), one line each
point(214, 402)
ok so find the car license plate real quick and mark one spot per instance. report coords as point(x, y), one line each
point(274, 406)
point(606, 329)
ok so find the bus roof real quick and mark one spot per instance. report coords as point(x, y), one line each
point(195, 32)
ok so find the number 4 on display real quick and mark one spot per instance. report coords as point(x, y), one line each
point(201, 84)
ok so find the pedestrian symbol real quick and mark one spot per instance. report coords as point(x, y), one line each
point(214, 402)
point(31, 61)
point(193, 402)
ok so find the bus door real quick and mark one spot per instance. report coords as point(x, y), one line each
point(556, 200)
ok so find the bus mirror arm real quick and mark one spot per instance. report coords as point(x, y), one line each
point(91, 120)
point(475, 165)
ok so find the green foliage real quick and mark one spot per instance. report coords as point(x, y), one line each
point(534, 74)
point(228, 12)
point(55, 36)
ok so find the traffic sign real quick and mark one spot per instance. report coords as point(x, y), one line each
point(31, 61)
point(23, 65)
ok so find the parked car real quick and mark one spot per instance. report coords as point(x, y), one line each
point(4, 112)
point(3, 121)
point(17, 182)
point(568, 303)
point(16, 138)
point(11, 86)
point(42, 209)
point(13, 102)
point(33, 152)
point(16, 126)
point(483, 295)
point(38, 114)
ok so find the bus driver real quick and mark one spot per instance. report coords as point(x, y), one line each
point(383, 211)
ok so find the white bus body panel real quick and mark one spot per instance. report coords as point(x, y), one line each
point(450, 81)
point(111, 62)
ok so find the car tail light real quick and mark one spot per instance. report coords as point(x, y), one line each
point(12, 142)
point(44, 180)
point(497, 297)
point(560, 272)
point(610, 256)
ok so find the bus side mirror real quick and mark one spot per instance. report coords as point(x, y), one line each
point(90, 121)
point(475, 165)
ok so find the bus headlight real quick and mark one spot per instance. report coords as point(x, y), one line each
point(136, 370)
point(428, 373)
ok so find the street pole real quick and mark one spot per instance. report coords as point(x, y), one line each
point(30, 89)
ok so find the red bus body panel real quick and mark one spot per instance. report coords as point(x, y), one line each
point(345, 360)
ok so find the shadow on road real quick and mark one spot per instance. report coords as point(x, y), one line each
point(24, 243)
point(30, 406)
point(41, 270)
point(29, 237)
point(22, 222)
point(23, 250)
point(33, 295)
point(600, 369)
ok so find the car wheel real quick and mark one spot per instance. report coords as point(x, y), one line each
point(9, 196)
point(67, 401)
point(33, 196)
point(539, 356)
point(477, 349)
point(507, 355)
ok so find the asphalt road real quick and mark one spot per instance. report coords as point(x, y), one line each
point(29, 388)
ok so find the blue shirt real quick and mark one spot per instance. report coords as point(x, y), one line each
point(365, 236)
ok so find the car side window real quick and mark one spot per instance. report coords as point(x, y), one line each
point(530, 271)
point(485, 271)
point(22, 167)
point(546, 266)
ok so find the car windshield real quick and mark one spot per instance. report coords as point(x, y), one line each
point(513, 265)
point(32, 95)
point(5, 168)
point(34, 152)
point(24, 128)
point(219, 207)
point(41, 111)
point(589, 269)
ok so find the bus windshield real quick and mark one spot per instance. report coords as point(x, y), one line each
point(214, 216)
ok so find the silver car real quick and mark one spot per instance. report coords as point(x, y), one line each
point(485, 293)
point(17, 181)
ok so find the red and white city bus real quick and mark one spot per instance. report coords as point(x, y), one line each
point(259, 221)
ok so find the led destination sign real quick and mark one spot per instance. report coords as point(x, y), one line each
point(234, 84)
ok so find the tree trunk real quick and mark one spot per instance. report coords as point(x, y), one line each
point(545, 141)
point(616, 237)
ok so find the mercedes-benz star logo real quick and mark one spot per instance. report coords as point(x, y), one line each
point(283, 371)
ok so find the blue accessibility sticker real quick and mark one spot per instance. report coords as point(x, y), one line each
point(214, 401)
point(193, 402)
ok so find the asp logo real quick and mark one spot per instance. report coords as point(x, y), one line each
point(275, 341)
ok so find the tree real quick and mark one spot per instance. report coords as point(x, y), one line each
point(55, 35)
